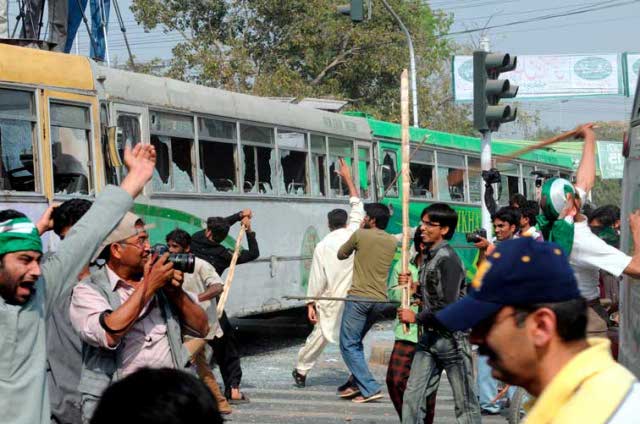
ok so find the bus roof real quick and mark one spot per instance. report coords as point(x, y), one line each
point(39, 67)
point(167, 93)
point(470, 144)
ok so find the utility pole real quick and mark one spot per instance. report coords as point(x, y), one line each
point(355, 9)
point(412, 62)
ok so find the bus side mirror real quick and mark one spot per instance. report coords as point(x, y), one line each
point(114, 156)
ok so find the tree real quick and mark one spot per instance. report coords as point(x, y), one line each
point(304, 48)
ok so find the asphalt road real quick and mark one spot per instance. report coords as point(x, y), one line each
point(269, 352)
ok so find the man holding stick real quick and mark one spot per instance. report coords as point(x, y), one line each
point(207, 245)
point(442, 282)
point(329, 277)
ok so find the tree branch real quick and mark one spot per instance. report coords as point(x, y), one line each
point(338, 60)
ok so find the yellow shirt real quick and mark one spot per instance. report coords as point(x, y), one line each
point(588, 390)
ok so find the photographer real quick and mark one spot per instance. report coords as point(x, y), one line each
point(506, 223)
point(130, 313)
point(205, 283)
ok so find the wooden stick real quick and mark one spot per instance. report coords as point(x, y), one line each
point(232, 269)
point(539, 145)
point(502, 392)
point(404, 107)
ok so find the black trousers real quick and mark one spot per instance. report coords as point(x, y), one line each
point(227, 355)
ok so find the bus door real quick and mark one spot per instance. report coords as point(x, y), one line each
point(629, 354)
point(131, 127)
point(71, 144)
point(365, 171)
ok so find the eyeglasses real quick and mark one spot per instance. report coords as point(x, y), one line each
point(430, 224)
point(140, 244)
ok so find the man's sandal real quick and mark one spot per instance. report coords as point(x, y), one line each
point(349, 392)
point(362, 399)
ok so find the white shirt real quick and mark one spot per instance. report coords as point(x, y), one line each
point(589, 255)
point(332, 277)
point(204, 275)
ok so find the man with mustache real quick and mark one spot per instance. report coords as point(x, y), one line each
point(131, 313)
point(527, 315)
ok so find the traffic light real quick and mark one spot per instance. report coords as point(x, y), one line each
point(355, 10)
point(488, 90)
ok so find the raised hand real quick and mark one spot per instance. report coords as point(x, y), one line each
point(140, 162)
point(344, 170)
point(585, 131)
point(45, 223)
point(246, 221)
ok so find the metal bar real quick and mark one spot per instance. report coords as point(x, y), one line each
point(340, 299)
point(103, 17)
point(86, 24)
point(116, 7)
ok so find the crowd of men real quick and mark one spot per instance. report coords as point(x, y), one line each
point(530, 307)
point(87, 327)
point(106, 313)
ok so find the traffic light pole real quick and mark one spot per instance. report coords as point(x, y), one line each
point(485, 160)
point(485, 165)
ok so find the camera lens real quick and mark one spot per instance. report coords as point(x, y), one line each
point(185, 262)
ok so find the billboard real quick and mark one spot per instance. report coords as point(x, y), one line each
point(547, 76)
point(632, 62)
point(610, 159)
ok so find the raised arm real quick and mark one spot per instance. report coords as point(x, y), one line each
point(84, 238)
point(586, 173)
point(252, 253)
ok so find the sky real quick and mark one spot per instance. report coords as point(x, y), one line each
point(613, 28)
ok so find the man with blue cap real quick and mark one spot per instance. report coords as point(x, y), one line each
point(527, 315)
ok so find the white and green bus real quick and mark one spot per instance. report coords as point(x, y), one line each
point(64, 121)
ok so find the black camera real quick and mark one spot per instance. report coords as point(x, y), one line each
point(474, 236)
point(492, 176)
point(541, 176)
point(185, 262)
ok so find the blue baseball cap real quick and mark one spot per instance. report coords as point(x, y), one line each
point(519, 272)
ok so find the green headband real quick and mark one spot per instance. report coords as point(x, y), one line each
point(19, 234)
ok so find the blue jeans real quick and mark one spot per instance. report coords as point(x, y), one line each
point(488, 387)
point(75, 18)
point(435, 352)
point(357, 319)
